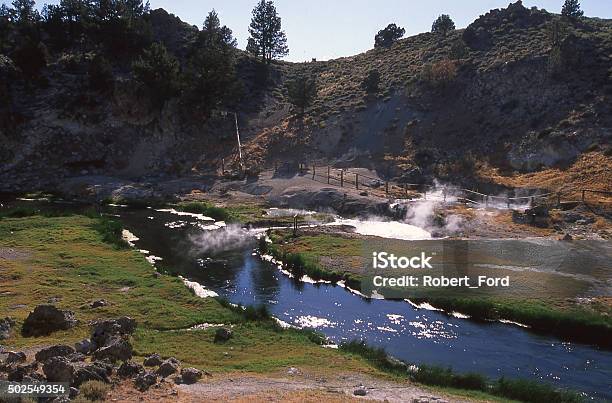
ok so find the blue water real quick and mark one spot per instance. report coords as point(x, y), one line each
point(413, 335)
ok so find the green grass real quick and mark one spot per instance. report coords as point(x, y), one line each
point(69, 259)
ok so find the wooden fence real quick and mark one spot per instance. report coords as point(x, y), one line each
point(346, 178)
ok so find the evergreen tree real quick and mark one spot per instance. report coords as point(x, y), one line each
point(302, 92)
point(386, 37)
point(267, 39)
point(443, 25)
point(25, 12)
point(571, 9)
point(210, 75)
point(158, 71)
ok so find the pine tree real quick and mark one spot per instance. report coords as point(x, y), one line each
point(443, 25)
point(210, 74)
point(25, 12)
point(571, 9)
point(371, 82)
point(302, 92)
point(157, 70)
point(267, 40)
point(386, 37)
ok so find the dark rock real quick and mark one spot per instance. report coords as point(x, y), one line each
point(83, 346)
point(145, 380)
point(222, 335)
point(190, 375)
point(567, 238)
point(99, 303)
point(168, 367)
point(104, 330)
point(5, 328)
point(129, 369)
point(360, 392)
point(153, 360)
point(17, 373)
point(14, 357)
point(59, 369)
point(53, 351)
point(74, 392)
point(46, 319)
point(96, 371)
point(115, 349)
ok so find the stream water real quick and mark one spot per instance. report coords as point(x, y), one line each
point(221, 259)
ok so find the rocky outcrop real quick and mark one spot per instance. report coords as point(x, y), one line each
point(153, 360)
point(5, 328)
point(54, 351)
point(114, 349)
point(59, 369)
point(46, 319)
point(190, 376)
point(168, 367)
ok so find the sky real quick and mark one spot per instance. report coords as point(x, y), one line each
point(328, 29)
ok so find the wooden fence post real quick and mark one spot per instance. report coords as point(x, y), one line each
point(328, 173)
point(341, 178)
point(583, 195)
point(357, 181)
point(314, 169)
point(387, 188)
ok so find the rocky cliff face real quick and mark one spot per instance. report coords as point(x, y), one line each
point(524, 90)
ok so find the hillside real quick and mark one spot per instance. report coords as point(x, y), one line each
point(519, 91)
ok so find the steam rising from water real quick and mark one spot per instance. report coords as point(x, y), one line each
point(219, 240)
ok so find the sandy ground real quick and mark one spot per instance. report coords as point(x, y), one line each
point(296, 388)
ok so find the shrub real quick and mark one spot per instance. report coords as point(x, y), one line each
point(439, 74)
point(100, 73)
point(371, 82)
point(386, 37)
point(531, 391)
point(443, 25)
point(94, 390)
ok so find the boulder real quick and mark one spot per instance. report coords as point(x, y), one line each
point(168, 367)
point(115, 349)
point(53, 351)
point(104, 330)
point(129, 369)
point(15, 357)
point(190, 375)
point(145, 380)
point(59, 369)
point(46, 319)
point(153, 360)
point(222, 335)
point(96, 371)
point(84, 346)
point(5, 327)
point(360, 392)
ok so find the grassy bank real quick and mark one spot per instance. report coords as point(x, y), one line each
point(307, 254)
point(66, 259)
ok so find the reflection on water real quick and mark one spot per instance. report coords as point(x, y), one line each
point(414, 335)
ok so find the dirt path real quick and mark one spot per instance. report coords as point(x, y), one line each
point(303, 387)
